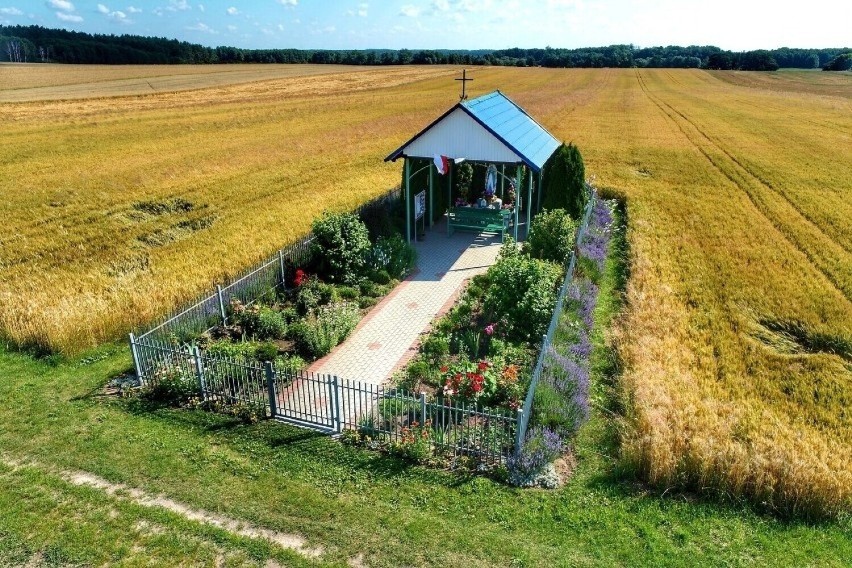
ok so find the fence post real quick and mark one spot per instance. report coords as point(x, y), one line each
point(221, 305)
point(520, 431)
point(334, 402)
point(422, 409)
point(135, 358)
point(199, 372)
point(269, 371)
point(282, 267)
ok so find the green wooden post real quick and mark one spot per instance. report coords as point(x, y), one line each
point(283, 269)
point(222, 311)
point(450, 196)
point(529, 201)
point(540, 190)
point(269, 371)
point(517, 197)
point(519, 432)
point(422, 409)
point(136, 358)
point(199, 372)
point(431, 199)
point(407, 203)
point(503, 182)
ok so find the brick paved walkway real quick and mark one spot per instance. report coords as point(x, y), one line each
point(388, 336)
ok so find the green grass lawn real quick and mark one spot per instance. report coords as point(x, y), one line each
point(345, 500)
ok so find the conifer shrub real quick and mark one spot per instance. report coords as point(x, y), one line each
point(564, 181)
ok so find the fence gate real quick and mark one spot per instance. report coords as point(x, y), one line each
point(306, 399)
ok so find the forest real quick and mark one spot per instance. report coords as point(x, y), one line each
point(36, 44)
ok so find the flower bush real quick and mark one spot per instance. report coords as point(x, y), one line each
point(482, 382)
point(415, 442)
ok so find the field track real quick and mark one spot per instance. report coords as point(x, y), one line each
point(736, 344)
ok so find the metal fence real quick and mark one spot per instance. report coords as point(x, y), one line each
point(331, 404)
point(527, 408)
point(328, 403)
point(259, 281)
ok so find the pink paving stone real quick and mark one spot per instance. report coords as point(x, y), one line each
point(374, 346)
point(411, 305)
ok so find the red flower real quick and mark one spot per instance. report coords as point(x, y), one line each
point(444, 369)
point(300, 278)
point(483, 365)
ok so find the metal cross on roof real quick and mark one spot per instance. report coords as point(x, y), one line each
point(464, 81)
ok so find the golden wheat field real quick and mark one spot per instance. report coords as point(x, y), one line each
point(737, 371)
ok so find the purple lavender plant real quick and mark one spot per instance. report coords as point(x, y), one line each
point(595, 242)
point(541, 446)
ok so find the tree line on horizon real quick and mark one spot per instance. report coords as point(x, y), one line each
point(36, 44)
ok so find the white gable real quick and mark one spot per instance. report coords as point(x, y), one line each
point(458, 135)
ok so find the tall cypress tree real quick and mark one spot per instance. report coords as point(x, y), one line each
point(564, 180)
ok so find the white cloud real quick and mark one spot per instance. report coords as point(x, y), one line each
point(362, 9)
point(134, 10)
point(201, 8)
point(329, 30)
point(103, 9)
point(410, 11)
point(63, 5)
point(288, 2)
point(280, 27)
point(441, 5)
point(232, 11)
point(11, 12)
point(178, 5)
point(202, 27)
point(69, 17)
point(232, 28)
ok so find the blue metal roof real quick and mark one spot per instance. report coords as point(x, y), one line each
point(509, 123)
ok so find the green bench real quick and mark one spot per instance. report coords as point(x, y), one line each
point(479, 219)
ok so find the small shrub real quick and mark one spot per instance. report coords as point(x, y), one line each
point(245, 318)
point(393, 255)
point(552, 236)
point(380, 276)
point(289, 364)
point(436, 347)
point(270, 324)
point(242, 350)
point(340, 246)
point(348, 293)
point(420, 371)
point(266, 352)
point(247, 412)
point(319, 333)
point(174, 387)
point(370, 289)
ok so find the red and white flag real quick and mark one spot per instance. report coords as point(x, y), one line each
point(442, 163)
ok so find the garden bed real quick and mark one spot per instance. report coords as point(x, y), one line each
point(319, 303)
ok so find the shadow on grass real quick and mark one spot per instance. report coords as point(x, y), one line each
point(273, 441)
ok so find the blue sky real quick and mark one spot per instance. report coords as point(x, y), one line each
point(454, 24)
